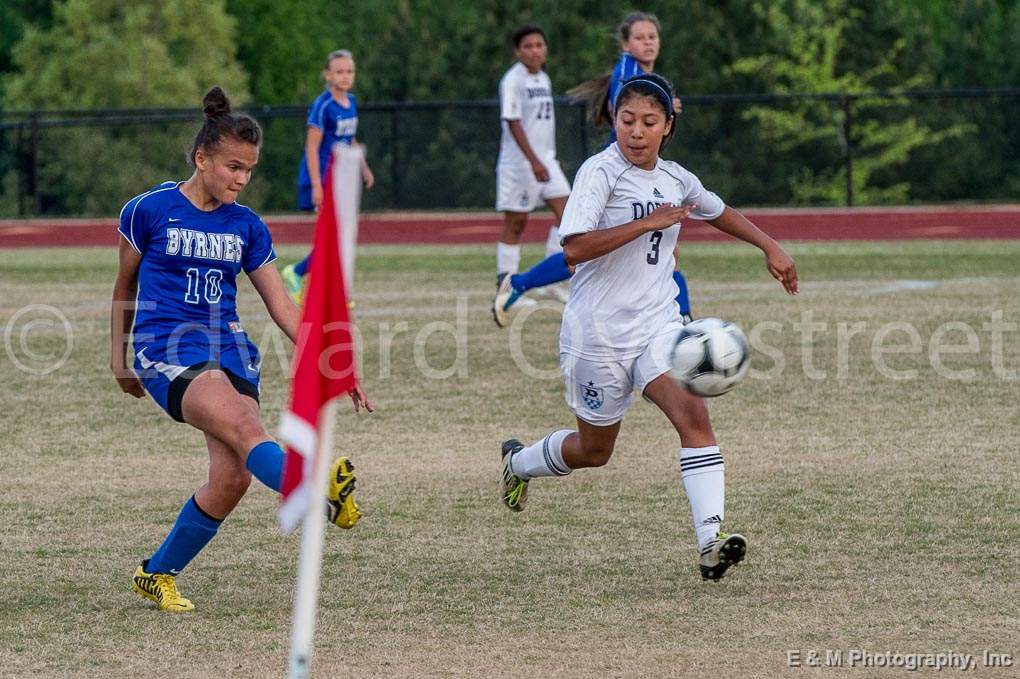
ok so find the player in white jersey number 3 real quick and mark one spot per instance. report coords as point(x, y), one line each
point(619, 228)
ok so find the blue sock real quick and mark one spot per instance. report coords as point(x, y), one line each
point(301, 268)
point(682, 299)
point(265, 461)
point(193, 531)
point(552, 269)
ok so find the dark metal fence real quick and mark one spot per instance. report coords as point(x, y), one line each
point(925, 146)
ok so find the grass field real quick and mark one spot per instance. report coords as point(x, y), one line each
point(881, 512)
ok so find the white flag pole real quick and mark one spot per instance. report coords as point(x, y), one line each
point(347, 198)
point(306, 595)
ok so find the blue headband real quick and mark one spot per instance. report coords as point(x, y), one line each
point(666, 99)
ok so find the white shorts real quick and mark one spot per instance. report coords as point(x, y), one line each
point(517, 190)
point(599, 392)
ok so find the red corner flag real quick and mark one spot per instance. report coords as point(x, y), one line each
point(323, 362)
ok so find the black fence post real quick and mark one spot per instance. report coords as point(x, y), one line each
point(847, 132)
point(395, 156)
point(33, 158)
point(22, 171)
point(582, 121)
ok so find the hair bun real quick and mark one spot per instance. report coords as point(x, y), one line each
point(215, 103)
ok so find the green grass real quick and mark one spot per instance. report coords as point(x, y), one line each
point(881, 513)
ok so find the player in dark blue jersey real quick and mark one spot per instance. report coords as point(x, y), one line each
point(639, 42)
point(332, 119)
point(183, 245)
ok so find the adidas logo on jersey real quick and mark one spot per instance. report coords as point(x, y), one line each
point(655, 192)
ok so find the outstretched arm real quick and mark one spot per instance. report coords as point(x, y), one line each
point(779, 264)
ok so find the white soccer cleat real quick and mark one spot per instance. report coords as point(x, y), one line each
point(499, 303)
point(721, 553)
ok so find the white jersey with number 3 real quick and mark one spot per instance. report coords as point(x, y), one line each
point(620, 301)
point(527, 97)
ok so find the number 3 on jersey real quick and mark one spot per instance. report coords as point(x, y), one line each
point(653, 256)
point(213, 292)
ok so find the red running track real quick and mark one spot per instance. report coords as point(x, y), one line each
point(903, 223)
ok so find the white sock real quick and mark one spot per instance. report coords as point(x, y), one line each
point(544, 458)
point(552, 243)
point(508, 257)
point(704, 481)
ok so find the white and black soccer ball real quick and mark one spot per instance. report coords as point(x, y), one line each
point(710, 356)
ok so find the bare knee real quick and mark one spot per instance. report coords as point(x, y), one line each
point(513, 228)
point(247, 432)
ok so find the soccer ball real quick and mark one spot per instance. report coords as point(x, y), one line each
point(710, 356)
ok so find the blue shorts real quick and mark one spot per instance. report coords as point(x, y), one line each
point(166, 378)
point(304, 197)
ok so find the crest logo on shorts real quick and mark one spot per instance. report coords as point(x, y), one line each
point(524, 200)
point(592, 395)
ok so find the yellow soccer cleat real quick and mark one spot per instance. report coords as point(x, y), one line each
point(341, 507)
point(293, 283)
point(160, 588)
point(512, 488)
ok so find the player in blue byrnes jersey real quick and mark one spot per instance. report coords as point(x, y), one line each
point(183, 245)
point(332, 120)
point(639, 42)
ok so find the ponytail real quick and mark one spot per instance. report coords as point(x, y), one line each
point(220, 124)
point(594, 94)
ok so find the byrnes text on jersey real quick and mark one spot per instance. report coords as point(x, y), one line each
point(225, 247)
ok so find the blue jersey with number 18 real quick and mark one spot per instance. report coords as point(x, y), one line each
point(187, 279)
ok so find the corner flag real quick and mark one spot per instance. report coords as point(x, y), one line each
point(323, 369)
point(323, 361)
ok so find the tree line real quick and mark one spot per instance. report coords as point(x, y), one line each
point(85, 54)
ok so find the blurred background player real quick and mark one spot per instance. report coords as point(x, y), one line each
point(620, 324)
point(332, 119)
point(183, 245)
point(527, 172)
point(638, 36)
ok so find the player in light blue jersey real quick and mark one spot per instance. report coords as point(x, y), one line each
point(332, 120)
point(183, 246)
point(639, 42)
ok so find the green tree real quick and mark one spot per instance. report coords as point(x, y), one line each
point(111, 54)
point(15, 17)
point(814, 45)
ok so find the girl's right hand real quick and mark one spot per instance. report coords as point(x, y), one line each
point(128, 381)
point(317, 196)
point(667, 215)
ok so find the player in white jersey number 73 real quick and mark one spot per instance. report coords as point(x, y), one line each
point(619, 229)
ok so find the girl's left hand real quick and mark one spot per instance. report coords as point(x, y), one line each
point(360, 400)
point(369, 178)
point(782, 268)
